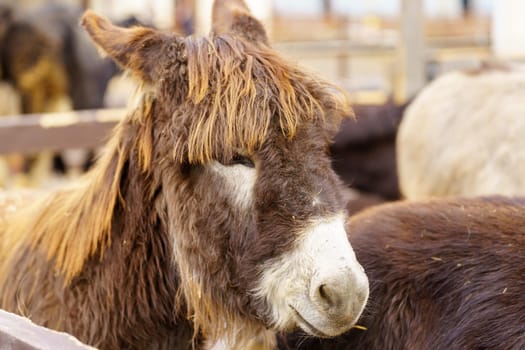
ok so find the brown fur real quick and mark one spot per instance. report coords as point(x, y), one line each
point(364, 150)
point(443, 274)
point(148, 250)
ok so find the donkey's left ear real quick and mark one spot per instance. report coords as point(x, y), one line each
point(137, 49)
point(233, 16)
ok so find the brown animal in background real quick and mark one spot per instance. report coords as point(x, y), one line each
point(32, 62)
point(444, 275)
point(214, 213)
point(364, 150)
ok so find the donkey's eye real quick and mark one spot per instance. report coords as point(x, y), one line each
point(242, 160)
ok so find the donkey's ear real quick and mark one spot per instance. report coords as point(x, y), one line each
point(233, 16)
point(137, 49)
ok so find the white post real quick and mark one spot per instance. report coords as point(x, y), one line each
point(156, 12)
point(412, 50)
point(203, 16)
point(508, 28)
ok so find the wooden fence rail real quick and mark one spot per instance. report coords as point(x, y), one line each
point(56, 131)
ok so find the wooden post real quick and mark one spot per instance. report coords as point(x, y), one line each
point(508, 29)
point(203, 16)
point(412, 50)
point(327, 9)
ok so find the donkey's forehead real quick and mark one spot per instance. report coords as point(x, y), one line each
point(233, 67)
point(233, 92)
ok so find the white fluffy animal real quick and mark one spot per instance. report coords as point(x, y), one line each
point(465, 135)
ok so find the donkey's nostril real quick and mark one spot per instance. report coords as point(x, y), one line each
point(325, 295)
point(328, 295)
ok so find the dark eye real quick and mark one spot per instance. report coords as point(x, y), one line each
point(242, 160)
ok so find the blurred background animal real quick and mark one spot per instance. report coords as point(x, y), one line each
point(53, 67)
point(364, 155)
point(464, 135)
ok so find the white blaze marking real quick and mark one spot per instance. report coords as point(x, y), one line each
point(240, 180)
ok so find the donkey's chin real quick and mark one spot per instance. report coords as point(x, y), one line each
point(322, 326)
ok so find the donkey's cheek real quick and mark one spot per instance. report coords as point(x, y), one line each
point(319, 286)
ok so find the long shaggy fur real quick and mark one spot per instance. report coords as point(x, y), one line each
point(146, 251)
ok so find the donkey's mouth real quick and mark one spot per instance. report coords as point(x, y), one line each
point(307, 326)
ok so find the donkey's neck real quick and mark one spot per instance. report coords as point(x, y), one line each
point(140, 248)
point(139, 263)
point(80, 222)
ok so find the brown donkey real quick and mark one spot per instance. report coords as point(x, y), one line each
point(213, 215)
point(444, 275)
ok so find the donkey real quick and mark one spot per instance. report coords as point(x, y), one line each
point(213, 215)
point(444, 275)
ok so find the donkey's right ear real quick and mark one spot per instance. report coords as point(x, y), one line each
point(137, 49)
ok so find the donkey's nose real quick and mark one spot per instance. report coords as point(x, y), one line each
point(339, 295)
